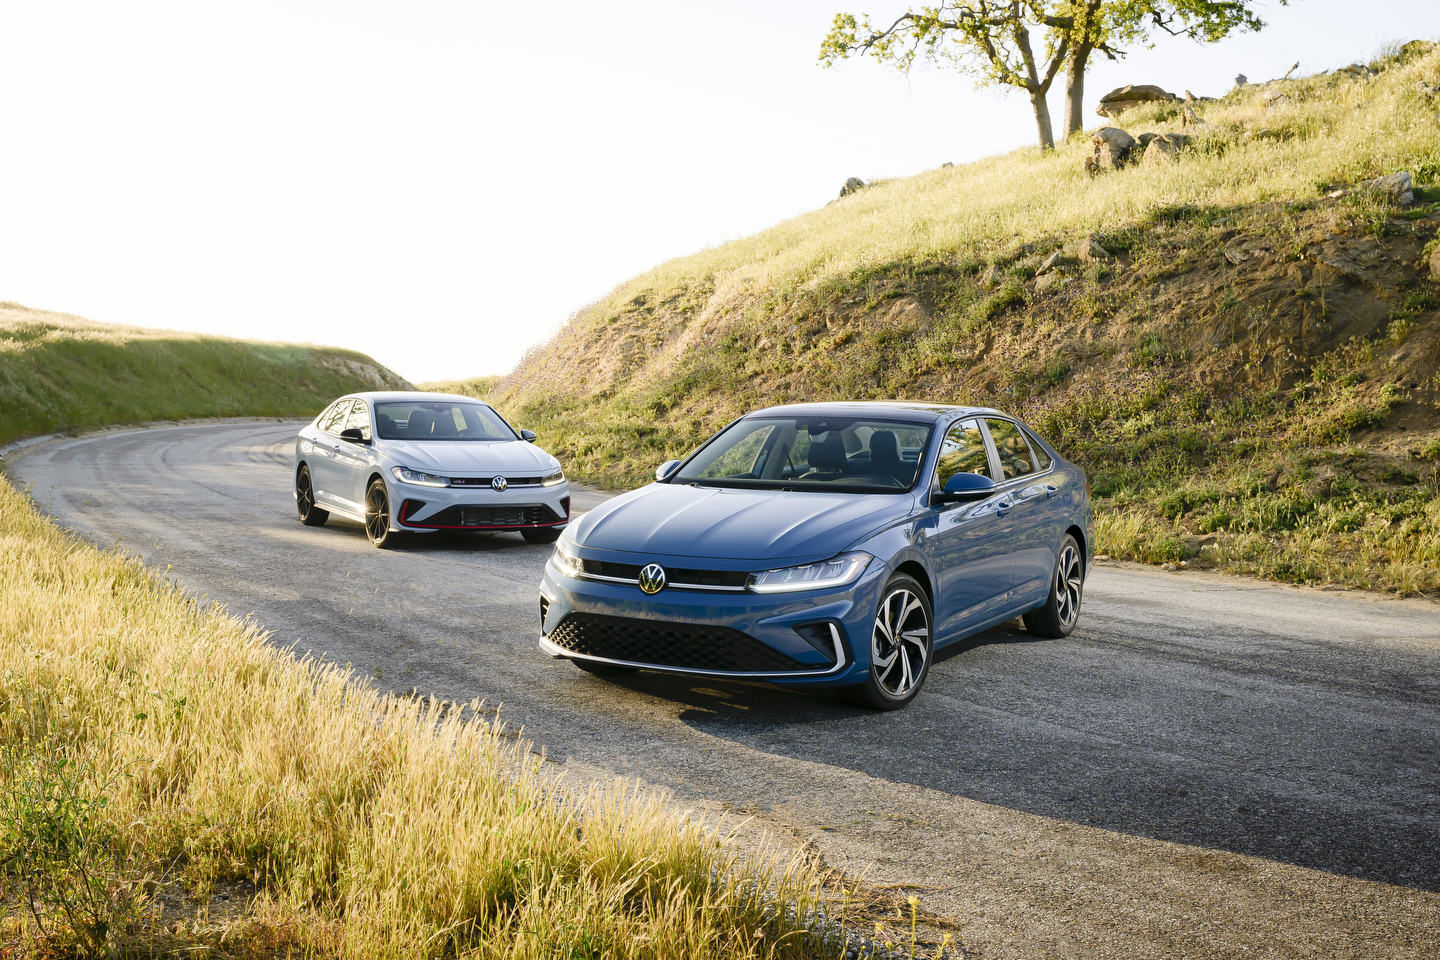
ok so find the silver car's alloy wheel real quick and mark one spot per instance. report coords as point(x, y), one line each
point(377, 514)
point(1069, 578)
point(310, 514)
point(900, 643)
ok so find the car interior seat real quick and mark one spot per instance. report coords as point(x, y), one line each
point(828, 456)
point(421, 424)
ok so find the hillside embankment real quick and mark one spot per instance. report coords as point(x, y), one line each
point(1236, 336)
point(60, 373)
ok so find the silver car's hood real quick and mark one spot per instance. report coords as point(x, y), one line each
point(461, 457)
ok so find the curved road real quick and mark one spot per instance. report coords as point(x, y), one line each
point(1207, 767)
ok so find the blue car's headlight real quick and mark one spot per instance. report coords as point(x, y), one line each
point(557, 477)
point(565, 559)
point(406, 475)
point(836, 572)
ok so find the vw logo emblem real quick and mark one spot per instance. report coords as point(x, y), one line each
point(498, 483)
point(652, 578)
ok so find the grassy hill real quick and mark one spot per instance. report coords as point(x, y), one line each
point(171, 784)
point(63, 374)
point(1249, 376)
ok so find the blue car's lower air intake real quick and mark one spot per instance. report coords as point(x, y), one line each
point(684, 646)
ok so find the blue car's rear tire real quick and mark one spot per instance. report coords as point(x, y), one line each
point(901, 642)
point(1057, 617)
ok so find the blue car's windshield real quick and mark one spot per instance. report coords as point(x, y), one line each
point(439, 420)
point(833, 454)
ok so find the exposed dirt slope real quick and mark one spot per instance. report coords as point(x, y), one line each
point(1248, 372)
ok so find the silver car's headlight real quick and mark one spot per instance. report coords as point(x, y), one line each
point(835, 572)
point(566, 560)
point(406, 475)
point(557, 477)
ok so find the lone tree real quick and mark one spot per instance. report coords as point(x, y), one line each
point(993, 40)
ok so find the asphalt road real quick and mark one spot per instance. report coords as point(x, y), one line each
point(1206, 767)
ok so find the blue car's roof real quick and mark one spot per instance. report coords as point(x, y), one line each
point(888, 409)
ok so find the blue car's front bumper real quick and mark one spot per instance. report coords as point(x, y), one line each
point(720, 634)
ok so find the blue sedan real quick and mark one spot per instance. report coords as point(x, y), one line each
point(836, 544)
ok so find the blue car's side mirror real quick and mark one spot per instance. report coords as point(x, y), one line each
point(527, 435)
point(663, 471)
point(964, 487)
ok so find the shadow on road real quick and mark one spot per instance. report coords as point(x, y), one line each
point(1007, 720)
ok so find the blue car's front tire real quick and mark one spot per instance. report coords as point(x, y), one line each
point(902, 640)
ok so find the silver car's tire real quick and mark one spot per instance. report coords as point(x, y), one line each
point(377, 515)
point(902, 640)
point(1061, 610)
point(310, 515)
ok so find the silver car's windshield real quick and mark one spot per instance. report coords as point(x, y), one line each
point(833, 454)
point(439, 420)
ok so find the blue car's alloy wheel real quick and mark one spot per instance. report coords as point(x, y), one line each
point(1067, 588)
point(900, 645)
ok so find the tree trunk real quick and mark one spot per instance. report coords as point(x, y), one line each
point(1042, 119)
point(1075, 90)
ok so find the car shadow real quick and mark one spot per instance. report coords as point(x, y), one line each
point(1003, 720)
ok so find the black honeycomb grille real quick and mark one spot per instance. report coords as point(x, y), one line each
point(684, 645)
point(520, 515)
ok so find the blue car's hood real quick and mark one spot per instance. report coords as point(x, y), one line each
point(679, 520)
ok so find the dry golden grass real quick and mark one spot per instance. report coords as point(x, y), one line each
point(368, 825)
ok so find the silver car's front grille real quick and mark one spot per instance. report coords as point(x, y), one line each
point(510, 482)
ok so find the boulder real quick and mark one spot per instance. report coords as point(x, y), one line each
point(852, 185)
point(1090, 251)
point(1054, 262)
point(1131, 95)
point(1396, 186)
point(1415, 48)
point(1274, 98)
point(1435, 264)
point(1427, 89)
point(1113, 148)
point(1241, 79)
point(1164, 150)
point(1143, 140)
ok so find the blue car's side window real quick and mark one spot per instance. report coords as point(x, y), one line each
point(1014, 452)
point(962, 451)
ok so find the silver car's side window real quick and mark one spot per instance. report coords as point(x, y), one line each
point(962, 451)
point(1014, 452)
point(359, 419)
point(334, 420)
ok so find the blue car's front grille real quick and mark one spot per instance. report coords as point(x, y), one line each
point(685, 646)
point(722, 579)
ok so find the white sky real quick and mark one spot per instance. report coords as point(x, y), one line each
point(440, 184)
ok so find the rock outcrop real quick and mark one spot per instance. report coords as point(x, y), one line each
point(1164, 149)
point(1131, 95)
point(1113, 148)
point(1397, 186)
point(852, 185)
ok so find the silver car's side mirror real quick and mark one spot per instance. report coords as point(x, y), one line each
point(662, 472)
